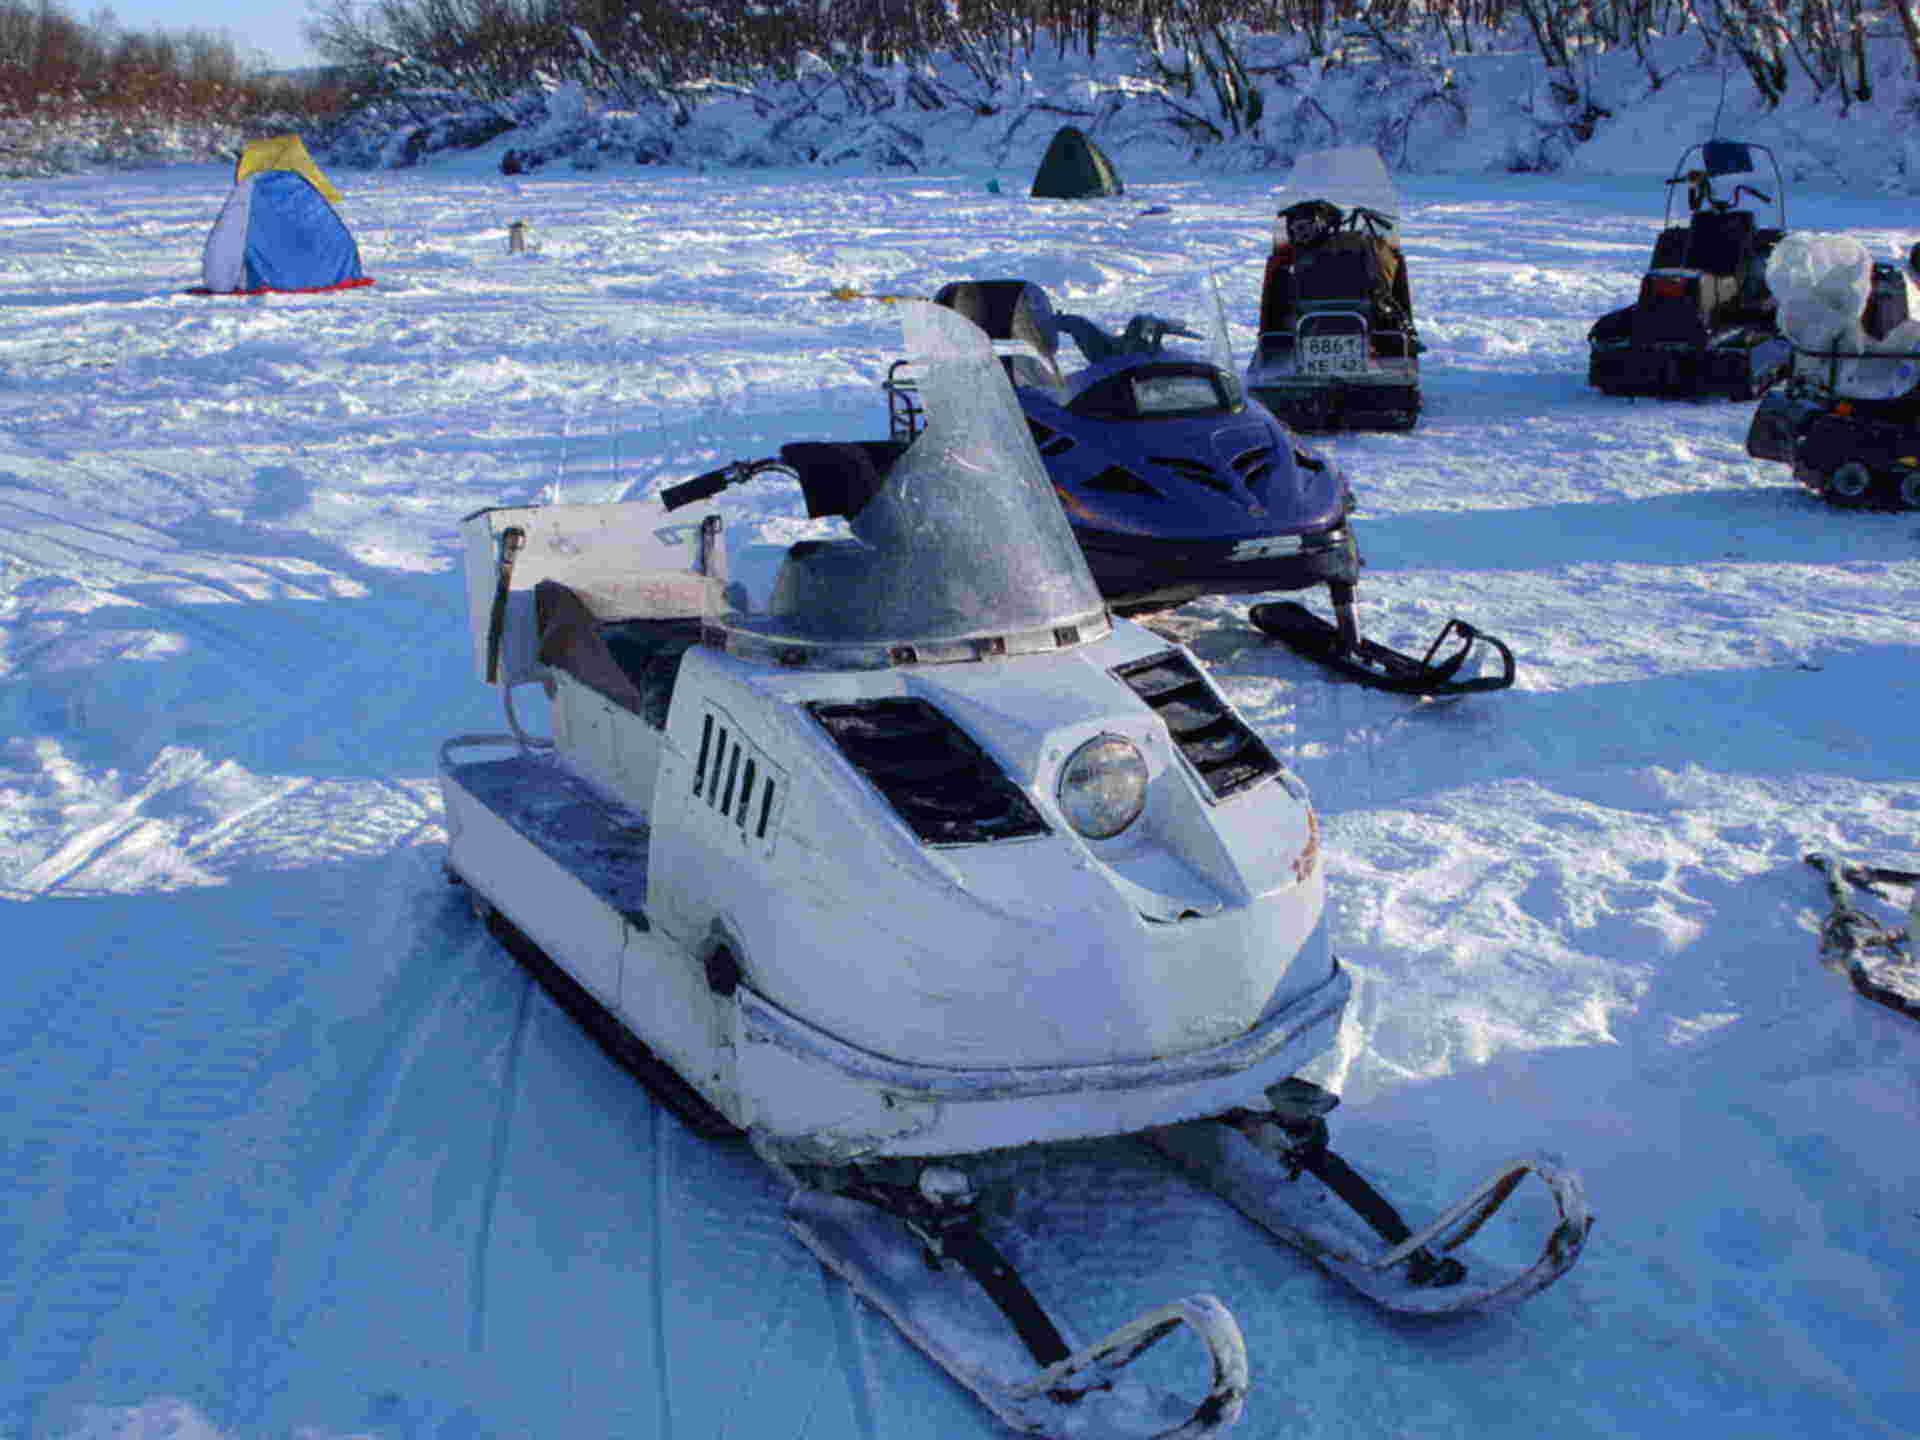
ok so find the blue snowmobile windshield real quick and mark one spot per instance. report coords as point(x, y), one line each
point(963, 552)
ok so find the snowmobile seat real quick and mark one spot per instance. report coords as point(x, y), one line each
point(1670, 250)
point(839, 477)
point(1886, 303)
point(633, 662)
point(1342, 270)
point(1279, 292)
point(1678, 307)
point(1722, 241)
point(1012, 310)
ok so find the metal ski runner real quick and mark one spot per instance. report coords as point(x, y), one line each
point(1340, 646)
point(1276, 1169)
point(1851, 937)
point(917, 1253)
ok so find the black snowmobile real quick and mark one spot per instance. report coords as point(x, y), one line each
point(1177, 485)
point(1847, 419)
point(1337, 342)
point(1704, 324)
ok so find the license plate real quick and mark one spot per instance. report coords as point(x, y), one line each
point(1333, 355)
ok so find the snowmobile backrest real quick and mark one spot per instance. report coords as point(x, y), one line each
point(1346, 269)
point(1722, 241)
point(839, 477)
point(1726, 157)
point(1010, 310)
point(626, 560)
point(1888, 303)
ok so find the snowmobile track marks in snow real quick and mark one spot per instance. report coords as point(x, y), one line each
point(496, 1169)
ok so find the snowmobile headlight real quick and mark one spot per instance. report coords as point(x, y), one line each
point(1103, 786)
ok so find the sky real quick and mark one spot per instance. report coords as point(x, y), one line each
point(276, 31)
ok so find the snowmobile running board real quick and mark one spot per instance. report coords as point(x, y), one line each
point(1375, 665)
point(1849, 936)
point(1027, 1372)
point(1257, 1163)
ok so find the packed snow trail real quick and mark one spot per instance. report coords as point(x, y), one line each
point(291, 1148)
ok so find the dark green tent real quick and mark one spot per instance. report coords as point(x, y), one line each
point(1074, 168)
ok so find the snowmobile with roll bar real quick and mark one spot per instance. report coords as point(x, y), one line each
point(921, 726)
point(1177, 484)
point(1338, 348)
point(1846, 418)
point(1704, 322)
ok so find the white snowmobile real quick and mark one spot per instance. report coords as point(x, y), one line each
point(894, 849)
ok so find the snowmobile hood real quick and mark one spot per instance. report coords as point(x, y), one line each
point(1220, 474)
point(1035, 945)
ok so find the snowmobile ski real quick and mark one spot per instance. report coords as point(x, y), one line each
point(919, 1256)
point(1277, 1170)
point(1879, 960)
point(1340, 647)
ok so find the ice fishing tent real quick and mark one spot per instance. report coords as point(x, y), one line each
point(283, 152)
point(1074, 168)
point(278, 230)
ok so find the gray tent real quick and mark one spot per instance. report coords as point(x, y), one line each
point(1074, 168)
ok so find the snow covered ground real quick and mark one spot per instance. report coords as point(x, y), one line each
point(289, 1149)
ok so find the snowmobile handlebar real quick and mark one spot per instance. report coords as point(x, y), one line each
point(702, 487)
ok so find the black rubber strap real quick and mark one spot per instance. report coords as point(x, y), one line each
point(511, 539)
point(1423, 1266)
point(1005, 1288)
point(1365, 1201)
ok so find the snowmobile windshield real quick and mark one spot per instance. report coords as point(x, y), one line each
point(1353, 177)
point(1161, 365)
point(956, 549)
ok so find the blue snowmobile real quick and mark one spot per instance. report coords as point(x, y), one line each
point(1704, 322)
point(1178, 485)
